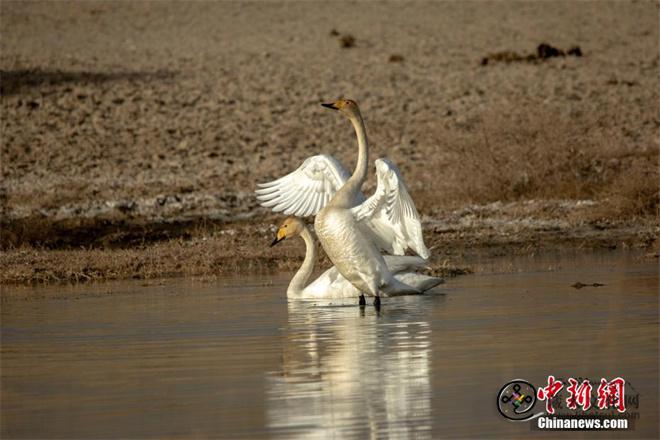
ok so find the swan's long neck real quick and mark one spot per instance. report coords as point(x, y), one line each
point(360, 172)
point(301, 277)
point(347, 196)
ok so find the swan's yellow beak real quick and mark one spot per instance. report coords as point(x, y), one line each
point(281, 235)
point(333, 105)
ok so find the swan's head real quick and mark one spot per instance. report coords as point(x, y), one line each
point(291, 227)
point(346, 106)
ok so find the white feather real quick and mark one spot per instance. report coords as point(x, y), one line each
point(389, 215)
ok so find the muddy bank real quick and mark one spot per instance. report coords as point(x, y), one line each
point(123, 224)
point(75, 250)
point(191, 250)
point(133, 134)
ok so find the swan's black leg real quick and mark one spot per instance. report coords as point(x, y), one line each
point(377, 302)
point(363, 302)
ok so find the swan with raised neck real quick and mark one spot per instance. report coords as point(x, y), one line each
point(348, 195)
point(345, 242)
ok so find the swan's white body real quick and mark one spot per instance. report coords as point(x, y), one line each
point(353, 229)
point(332, 285)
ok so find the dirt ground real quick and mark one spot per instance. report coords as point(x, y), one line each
point(134, 133)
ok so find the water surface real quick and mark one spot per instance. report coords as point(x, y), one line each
point(233, 359)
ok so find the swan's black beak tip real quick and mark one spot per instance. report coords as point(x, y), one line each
point(329, 105)
point(277, 240)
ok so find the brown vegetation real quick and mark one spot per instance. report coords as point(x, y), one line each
point(208, 251)
point(121, 154)
point(555, 157)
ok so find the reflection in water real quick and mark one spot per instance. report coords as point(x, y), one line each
point(348, 373)
point(235, 361)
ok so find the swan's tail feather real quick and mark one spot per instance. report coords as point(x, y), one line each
point(419, 281)
point(395, 287)
point(428, 283)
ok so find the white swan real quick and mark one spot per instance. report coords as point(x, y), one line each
point(331, 284)
point(389, 217)
point(350, 228)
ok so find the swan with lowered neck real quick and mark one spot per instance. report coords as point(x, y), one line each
point(331, 284)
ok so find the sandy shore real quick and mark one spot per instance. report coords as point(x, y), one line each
point(206, 250)
point(133, 134)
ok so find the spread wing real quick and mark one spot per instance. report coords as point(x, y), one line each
point(391, 213)
point(306, 190)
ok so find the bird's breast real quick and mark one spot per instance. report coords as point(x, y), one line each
point(356, 258)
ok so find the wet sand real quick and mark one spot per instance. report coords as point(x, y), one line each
point(233, 359)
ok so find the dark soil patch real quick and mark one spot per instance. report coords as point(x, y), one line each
point(580, 285)
point(544, 51)
point(15, 81)
point(93, 233)
point(347, 41)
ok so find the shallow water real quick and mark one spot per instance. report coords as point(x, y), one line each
point(234, 360)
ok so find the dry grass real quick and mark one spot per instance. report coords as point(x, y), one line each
point(208, 252)
point(634, 195)
point(504, 158)
point(234, 249)
point(528, 157)
point(91, 144)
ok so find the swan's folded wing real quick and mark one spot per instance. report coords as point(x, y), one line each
point(306, 190)
point(391, 213)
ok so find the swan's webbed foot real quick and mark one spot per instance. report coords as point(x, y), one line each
point(363, 302)
point(377, 302)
